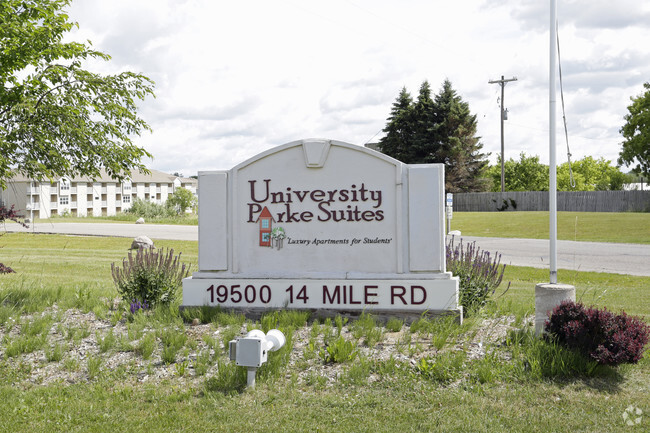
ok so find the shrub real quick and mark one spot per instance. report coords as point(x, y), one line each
point(479, 273)
point(150, 210)
point(11, 215)
point(5, 269)
point(150, 278)
point(603, 336)
point(181, 200)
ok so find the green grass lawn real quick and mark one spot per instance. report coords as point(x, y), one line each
point(388, 397)
point(573, 226)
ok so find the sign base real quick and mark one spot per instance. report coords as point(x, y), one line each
point(398, 298)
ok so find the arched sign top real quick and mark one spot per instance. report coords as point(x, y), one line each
point(316, 151)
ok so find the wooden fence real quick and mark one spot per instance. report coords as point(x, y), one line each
point(575, 201)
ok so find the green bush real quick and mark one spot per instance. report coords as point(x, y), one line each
point(150, 210)
point(479, 273)
point(150, 278)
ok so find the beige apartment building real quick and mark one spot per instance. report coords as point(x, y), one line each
point(86, 197)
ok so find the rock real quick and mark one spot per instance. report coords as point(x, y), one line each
point(139, 221)
point(141, 242)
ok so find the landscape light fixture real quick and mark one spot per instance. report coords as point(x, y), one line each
point(252, 350)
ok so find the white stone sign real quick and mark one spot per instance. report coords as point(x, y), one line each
point(322, 224)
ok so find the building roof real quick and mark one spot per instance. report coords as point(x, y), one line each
point(136, 177)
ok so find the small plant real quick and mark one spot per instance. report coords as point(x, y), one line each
point(338, 350)
point(479, 273)
point(394, 324)
point(150, 278)
point(202, 363)
point(181, 368)
point(146, 345)
point(94, 365)
point(172, 340)
point(54, 353)
point(607, 338)
point(229, 380)
point(443, 368)
point(366, 327)
point(358, 372)
point(107, 342)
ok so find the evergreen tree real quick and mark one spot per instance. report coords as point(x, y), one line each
point(399, 129)
point(440, 130)
point(424, 149)
point(456, 143)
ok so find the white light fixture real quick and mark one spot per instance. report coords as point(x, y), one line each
point(252, 350)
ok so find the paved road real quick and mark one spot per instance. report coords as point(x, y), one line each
point(632, 259)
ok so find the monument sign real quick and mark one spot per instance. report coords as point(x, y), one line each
point(325, 226)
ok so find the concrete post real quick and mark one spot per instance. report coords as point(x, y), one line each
point(547, 297)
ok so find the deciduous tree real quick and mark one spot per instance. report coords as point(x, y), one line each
point(636, 131)
point(57, 118)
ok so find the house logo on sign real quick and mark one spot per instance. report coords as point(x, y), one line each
point(269, 236)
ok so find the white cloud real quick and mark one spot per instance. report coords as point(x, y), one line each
point(236, 78)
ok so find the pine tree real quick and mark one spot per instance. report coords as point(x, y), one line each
point(456, 143)
point(440, 130)
point(424, 149)
point(399, 129)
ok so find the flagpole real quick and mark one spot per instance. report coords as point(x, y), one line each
point(552, 145)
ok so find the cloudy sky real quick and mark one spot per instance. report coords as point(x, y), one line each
point(234, 78)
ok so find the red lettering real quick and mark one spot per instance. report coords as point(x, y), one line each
point(394, 295)
point(352, 301)
point(424, 295)
point(327, 298)
point(368, 294)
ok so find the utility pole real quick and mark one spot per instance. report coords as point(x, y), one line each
point(504, 116)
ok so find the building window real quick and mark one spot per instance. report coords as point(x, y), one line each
point(126, 186)
point(64, 185)
point(265, 223)
point(126, 199)
point(64, 199)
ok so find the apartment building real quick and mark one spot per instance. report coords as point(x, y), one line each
point(87, 197)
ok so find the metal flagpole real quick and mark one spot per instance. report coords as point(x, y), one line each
point(552, 164)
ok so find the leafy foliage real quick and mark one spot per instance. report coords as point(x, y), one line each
point(438, 130)
point(528, 174)
point(57, 118)
point(338, 350)
point(479, 273)
point(4, 269)
point(636, 132)
point(605, 337)
point(181, 200)
point(150, 210)
point(11, 215)
point(152, 277)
